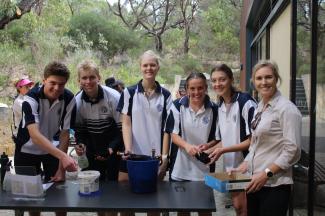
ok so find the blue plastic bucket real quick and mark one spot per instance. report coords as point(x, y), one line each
point(143, 175)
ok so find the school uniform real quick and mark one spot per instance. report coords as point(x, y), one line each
point(195, 128)
point(148, 116)
point(234, 125)
point(51, 119)
point(17, 115)
point(97, 126)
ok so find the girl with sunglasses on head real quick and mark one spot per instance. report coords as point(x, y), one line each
point(235, 112)
point(275, 145)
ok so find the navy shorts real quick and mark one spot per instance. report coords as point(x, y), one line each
point(49, 163)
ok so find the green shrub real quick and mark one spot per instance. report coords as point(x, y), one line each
point(106, 36)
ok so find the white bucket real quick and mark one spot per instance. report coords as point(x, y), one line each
point(88, 182)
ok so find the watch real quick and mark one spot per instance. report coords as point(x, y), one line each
point(268, 172)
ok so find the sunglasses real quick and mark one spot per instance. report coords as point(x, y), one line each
point(256, 120)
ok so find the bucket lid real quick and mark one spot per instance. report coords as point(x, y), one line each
point(89, 174)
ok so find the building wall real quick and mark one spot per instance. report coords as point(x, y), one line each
point(280, 37)
point(243, 45)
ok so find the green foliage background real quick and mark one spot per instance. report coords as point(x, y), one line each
point(87, 29)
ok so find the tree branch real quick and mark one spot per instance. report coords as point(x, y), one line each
point(24, 6)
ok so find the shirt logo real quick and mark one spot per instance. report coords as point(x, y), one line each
point(103, 109)
point(206, 120)
point(160, 108)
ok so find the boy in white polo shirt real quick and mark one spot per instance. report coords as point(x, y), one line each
point(97, 122)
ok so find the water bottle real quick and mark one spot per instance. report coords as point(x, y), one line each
point(153, 153)
point(6, 186)
point(4, 160)
point(82, 159)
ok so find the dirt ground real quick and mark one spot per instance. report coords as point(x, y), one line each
point(6, 143)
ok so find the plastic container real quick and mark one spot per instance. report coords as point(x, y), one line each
point(4, 160)
point(88, 182)
point(83, 161)
point(6, 186)
point(143, 174)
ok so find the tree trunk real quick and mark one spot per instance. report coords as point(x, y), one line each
point(186, 39)
point(158, 42)
point(24, 6)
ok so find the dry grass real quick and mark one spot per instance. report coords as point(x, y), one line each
point(6, 143)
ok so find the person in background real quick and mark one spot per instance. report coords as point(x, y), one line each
point(97, 123)
point(235, 112)
point(23, 86)
point(191, 122)
point(275, 145)
point(180, 93)
point(181, 89)
point(109, 82)
point(48, 111)
point(118, 85)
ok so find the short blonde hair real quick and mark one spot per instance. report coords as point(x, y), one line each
point(88, 65)
point(270, 64)
point(149, 53)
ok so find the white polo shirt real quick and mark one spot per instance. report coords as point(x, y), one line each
point(234, 126)
point(51, 118)
point(148, 116)
point(194, 128)
point(16, 108)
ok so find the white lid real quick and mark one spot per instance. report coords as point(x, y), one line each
point(89, 174)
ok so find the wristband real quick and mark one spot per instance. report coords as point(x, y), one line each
point(164, 156)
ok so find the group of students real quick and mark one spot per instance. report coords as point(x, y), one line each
point(261, 139)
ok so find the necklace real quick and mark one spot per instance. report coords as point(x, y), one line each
point(149, 91)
